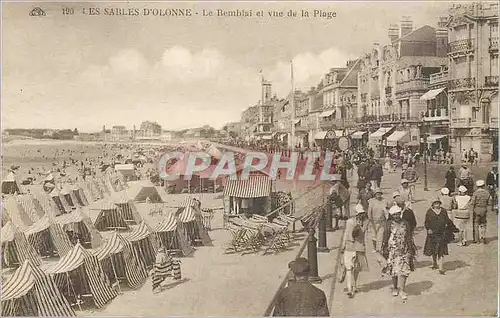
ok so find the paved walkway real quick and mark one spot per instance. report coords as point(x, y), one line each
point(468, 288)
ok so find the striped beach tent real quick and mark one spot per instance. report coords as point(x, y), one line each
point(16, 213)
point(97, 187)
point(79, 195)
point(81, 227)
point(11, 184)
point(145, 243)
point(15, 247)
point(128, 210)
point(104, 186)
point(110, 218)
point(190, 216)
point(68, 195)
point(5, 215)
point(148, 192)
point(60, 202)
point(79, 274)
point(31, 292)
point(88, 191)
point(48, 238)
point(172, 235)
point(31, 205)
point(121, 262)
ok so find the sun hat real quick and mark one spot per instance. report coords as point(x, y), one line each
point(395, 194)
point(359, 209)
point(377, 190)
point(480, 183)
point(462, 189)
point(394, 209)
point(404, 181)
point(436, 199)
point(445, 191)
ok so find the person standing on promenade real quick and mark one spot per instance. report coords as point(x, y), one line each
point(397, 248)
point(354, 248)
point(439, 233)
point(377, 214)
point(480, 205)
point(405, 191)
point(376, 174)
point(340, 197)
point(300, 298)
point(365, 195)
point(450, 179)
point(446, 200)
point(412, 177)
point(461, 214)
point(465, 178)
point(492, 183)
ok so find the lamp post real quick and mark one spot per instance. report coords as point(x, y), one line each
point(425, 157)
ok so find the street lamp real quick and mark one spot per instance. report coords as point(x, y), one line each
point(425, 156)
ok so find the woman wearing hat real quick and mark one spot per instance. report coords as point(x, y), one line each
point(353, 247)
point(439, 233)
point(460, 204)
point(398, 249)
point(377, 214)
point(405, 191)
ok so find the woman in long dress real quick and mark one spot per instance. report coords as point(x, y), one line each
point(450, 179)
point(440, 231)
point(398, 249)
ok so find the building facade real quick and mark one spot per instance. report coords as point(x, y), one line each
point(473, 78)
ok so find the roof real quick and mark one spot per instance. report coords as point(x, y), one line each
point(425, 33)
point(252, 187)
point(140, 232)
point(21, 282)
point(42, 224)
point(70, 261)
point(114, 245)
point(168, 224)
point(351, 78)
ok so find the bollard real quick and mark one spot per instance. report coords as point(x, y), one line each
point(329, 216)
point(322, 248)
point(312, 255)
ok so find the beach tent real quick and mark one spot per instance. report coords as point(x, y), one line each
point(173, 236)
point(15, 212)
point(48, 238)
point(62, 205)
point(31, 292)
point(79, 274)
point(121, 262)
point(5, 215)
point(190, 217)
point(145, 243)
point(104, 186)
point(31, 205)
point(80, 196)
point(10, 185)
point(89, 191)
point(128, 210)
point(110, 218)
point(15, 247)
point(148, 192)
point(97, 188)
point(68, 195)
point(81, 228)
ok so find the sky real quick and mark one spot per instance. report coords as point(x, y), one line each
point(80, 71)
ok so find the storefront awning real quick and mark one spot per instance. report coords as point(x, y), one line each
point(380, 133)
point(320, 135)
point(297, 121)
point(358, 134)
point(253, 187)
point(327, 113)
point(432, 139)
point(432, 94)
point(399, 136)
point(267, 137)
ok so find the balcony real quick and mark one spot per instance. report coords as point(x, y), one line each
point(460, 46)
point(438, 78)
point(491, 81)
point(388, 90)
point(463, 83)
point(333, 123)
point(417, 84)
point(493, 44)
point(461, 122)
point(436, 114)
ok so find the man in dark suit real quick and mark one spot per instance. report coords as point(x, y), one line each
point(300, 297)
point(492, 184)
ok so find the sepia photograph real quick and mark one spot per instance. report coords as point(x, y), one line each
point(249, 158)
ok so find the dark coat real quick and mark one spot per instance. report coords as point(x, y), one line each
point(450, 179)
point(492, 179)
point(409, 217)
point(376, 172)
point(442, 233)
point(301, 299)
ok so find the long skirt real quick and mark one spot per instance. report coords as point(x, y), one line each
point(435, 244)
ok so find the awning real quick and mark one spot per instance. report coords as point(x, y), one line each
point(21, 282)
point(168, 224)
point(432, 139)
point(253, 187)
point(380, 132)
point(297, 121)
point(327, 113)
point(141, 232)
point(400, 136)
point(113, 246)
point(267, 137)
point(432, 94)
point(70, 261)
point(320, 135)
point(358, 134)
point(339, 133)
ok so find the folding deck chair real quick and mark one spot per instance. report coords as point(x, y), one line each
point(237, 239)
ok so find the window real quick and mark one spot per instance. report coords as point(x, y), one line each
point(493, 30)
point(494, 65)
point(474, 113)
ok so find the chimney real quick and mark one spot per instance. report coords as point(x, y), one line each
point(442, 37)
point(406, 26)
point(393, 32)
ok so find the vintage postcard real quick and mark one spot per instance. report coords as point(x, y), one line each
point(249, 158)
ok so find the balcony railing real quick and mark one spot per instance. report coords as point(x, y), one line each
point(436, 114)
point(438, 78)
point(412, 85)
point(462, 83)
point(493, 44)
point(387, 118)
point(491, 81)
point(461, 122)
point(460, 46)
point(388, 90)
